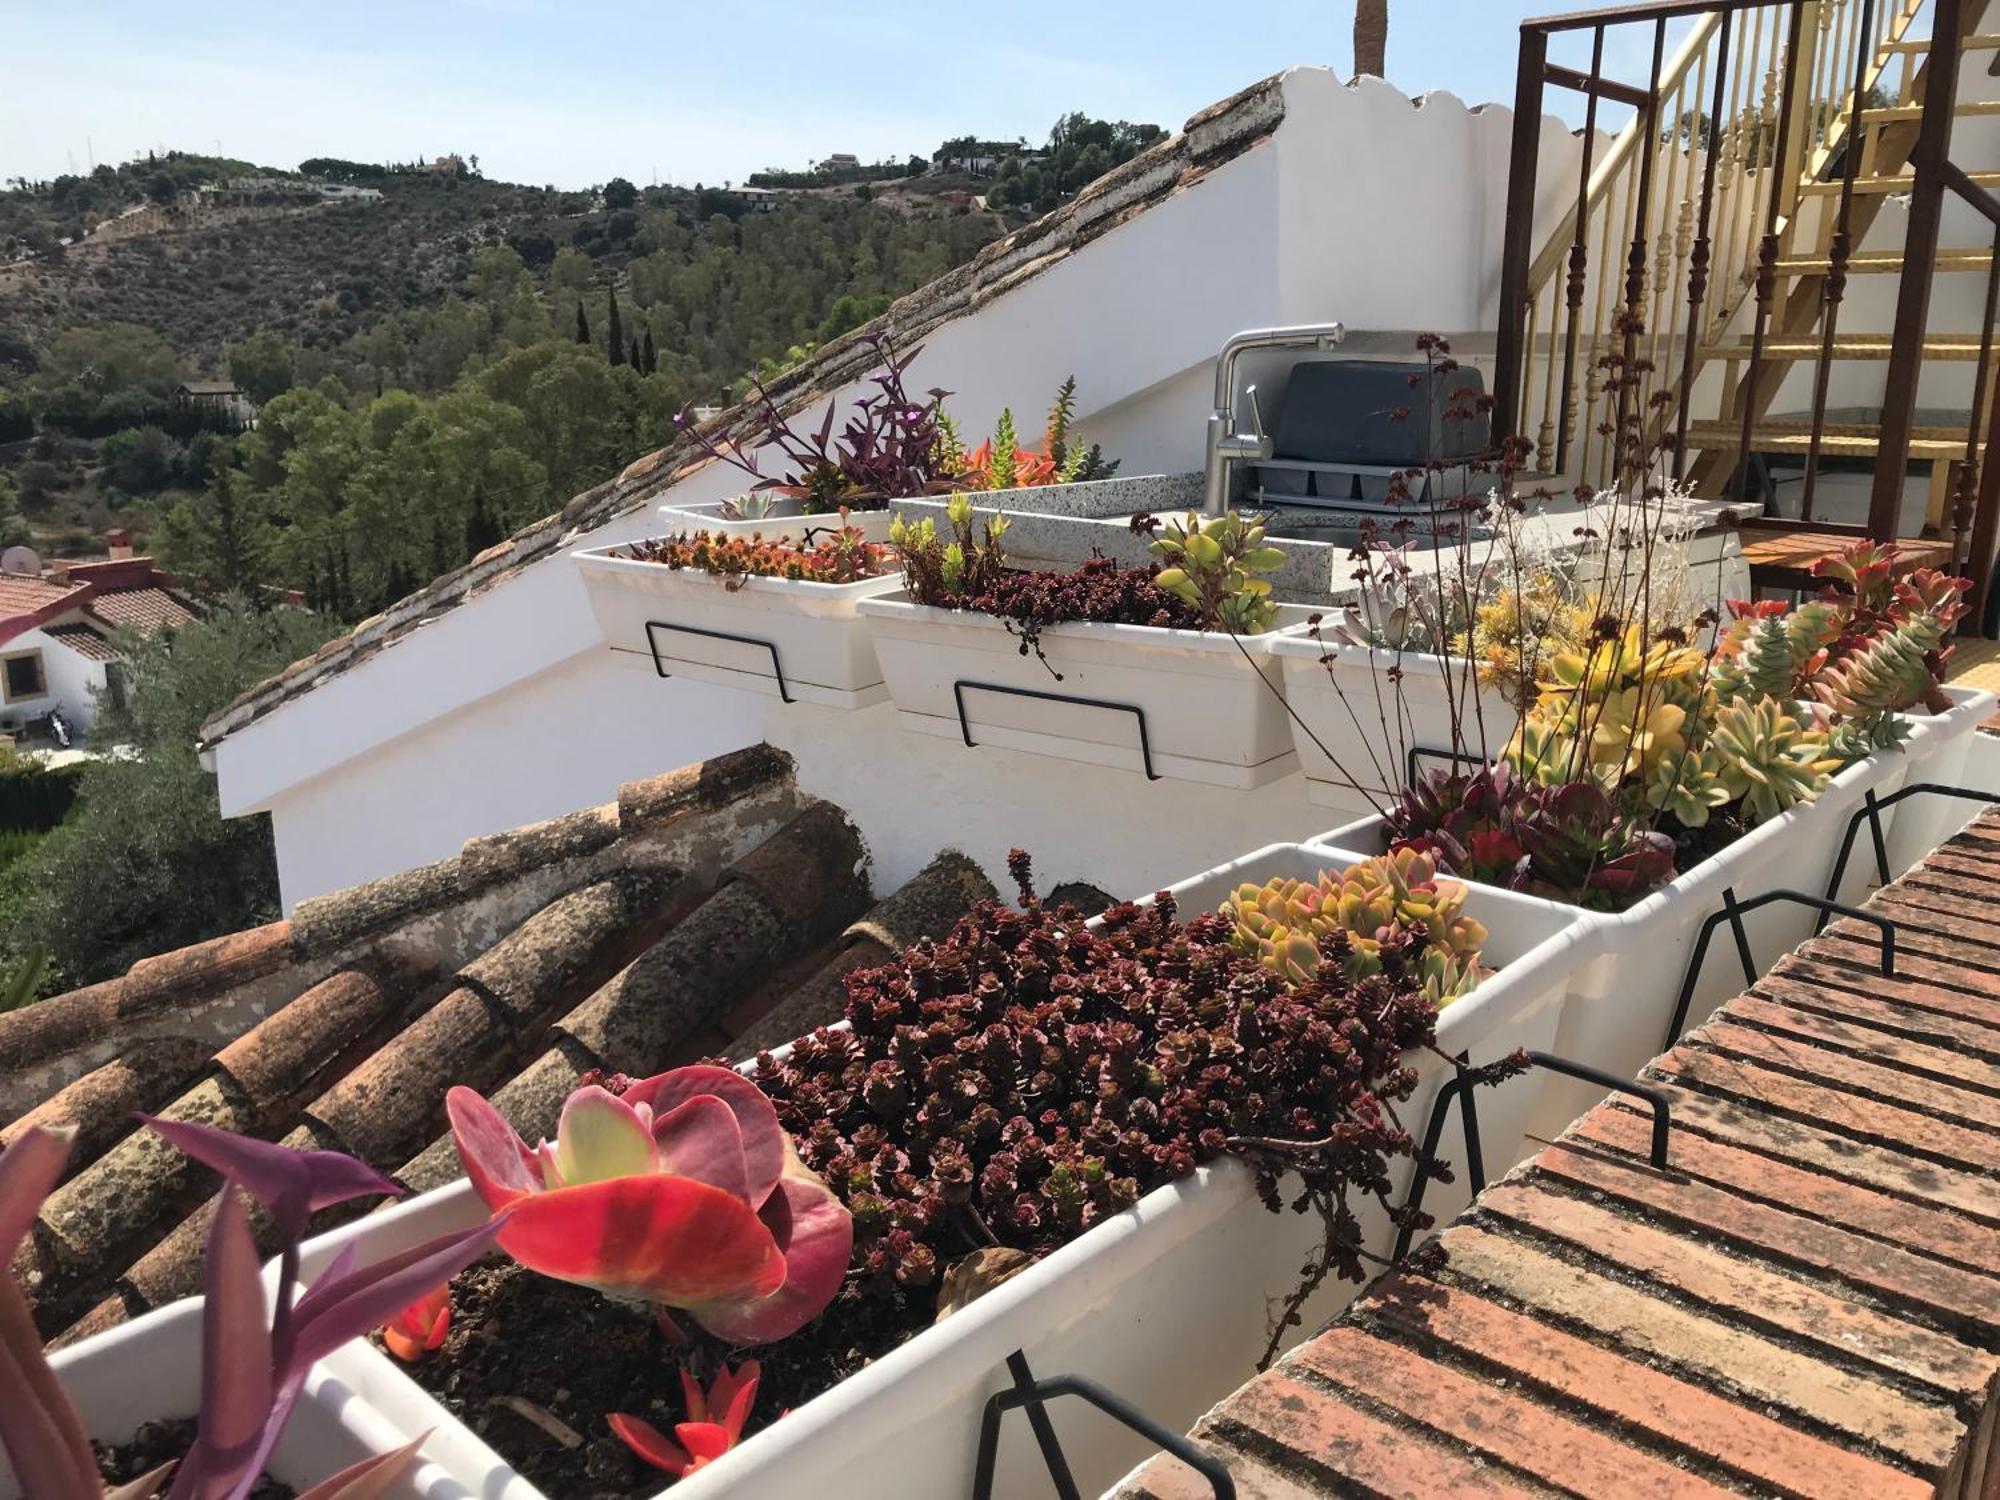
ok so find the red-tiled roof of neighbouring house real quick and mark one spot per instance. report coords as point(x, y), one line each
point(142, 609)
point(651, 931)
point(24, 595)
point(1806, 1303)
point(84, 641)
point(1210, 139)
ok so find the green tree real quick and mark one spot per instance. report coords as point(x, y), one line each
point(262, 365)
point(218, 542)
point(13, 525)
point(614, 335)
point(618, 193)
point(146, 863)
point(582, 326)
point(139, 460)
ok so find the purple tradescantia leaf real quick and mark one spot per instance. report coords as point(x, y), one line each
point(369, 1479)
point(335, 1311)
point(237, 1399)
point(293, 1185)
point(38, 1427)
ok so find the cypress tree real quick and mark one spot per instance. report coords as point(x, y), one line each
point(632, 357)
point(648, 356)
point(582, 325)
point(481, 530)
point(614, 334)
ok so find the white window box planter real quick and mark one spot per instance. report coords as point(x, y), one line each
point(786, 522)
point(1620, 1005)
point(783, 638)
point(1167, 1304)
point(1371, 725)
point(1187, 701)
point(1940, 751)
point(150, 1370)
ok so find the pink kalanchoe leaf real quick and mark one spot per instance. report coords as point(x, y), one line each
point(764, 1143)
point(670, 1240)
point(815, 1234)
point(651, 1444)
point(730, 1396)
point(704, 1441)
point(237, 1394)
point(499, 1163)
point(293, 1185)
point(701, 1139)
point(600, 1137)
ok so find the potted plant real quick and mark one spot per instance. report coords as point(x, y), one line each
point(1160, 669)
point(207, 1398)
point(770, 617)
point(893, 448)
point(1045, 1134)
point(1648, 777)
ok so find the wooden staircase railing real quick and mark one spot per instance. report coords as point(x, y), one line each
point(1708, 249)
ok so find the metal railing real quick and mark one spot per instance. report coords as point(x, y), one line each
point(1706, 249)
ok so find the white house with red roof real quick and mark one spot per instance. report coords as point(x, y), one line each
point(58, 625)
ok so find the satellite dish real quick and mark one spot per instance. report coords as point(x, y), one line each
point(21, 562)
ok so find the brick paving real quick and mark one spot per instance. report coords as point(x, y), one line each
point(1805, 1304)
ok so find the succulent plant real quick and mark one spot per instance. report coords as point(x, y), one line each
point(680, 1190)
point(1028, 1076)
point(753, 505)
point(1217, 567)
point(844, 557)
point(1396, 899)
point(1767, 758)
point(421, 1327)
point(714, 1424)
point(1689, 786)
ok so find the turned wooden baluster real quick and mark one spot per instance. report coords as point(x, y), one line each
point(1626, 459)
point(1838, 250)
point(1698, 252)
point(1579, 255)
point(1767, 253)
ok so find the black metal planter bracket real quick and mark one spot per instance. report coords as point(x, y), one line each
point(1034, 1395)
point(1460, 1087)
point(1734, 911)
point(965, 725)
point(660, 659)
point(1870, 811)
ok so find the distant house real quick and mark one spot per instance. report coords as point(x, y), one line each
point(347, 192)
point(57, 628)
point(840, 161)
point(223, 401)
point(447, 166)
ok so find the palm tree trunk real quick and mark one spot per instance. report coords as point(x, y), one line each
point(1371, 36)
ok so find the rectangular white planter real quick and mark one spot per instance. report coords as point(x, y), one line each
point(1352, 711)
point(1167, 1304)
point(1208, 713)
point(150, 1370)
point(1619, 1005)
point(674, 622)
point(786, 522)
point(1940, 751)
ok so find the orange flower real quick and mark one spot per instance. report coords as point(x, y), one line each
point(420, 1327)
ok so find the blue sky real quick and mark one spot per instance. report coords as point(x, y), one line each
point(575, 91)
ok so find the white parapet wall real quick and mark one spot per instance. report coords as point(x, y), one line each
point(1349, 202)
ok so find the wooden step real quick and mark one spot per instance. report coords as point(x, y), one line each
point(1984, 42)
point(1965, 109)
point(1840, 440)
point(1846, 346)
point(1898, 183)
point(1876, 262)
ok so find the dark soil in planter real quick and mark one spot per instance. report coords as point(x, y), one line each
point(156, 1442)
point(523, 1348)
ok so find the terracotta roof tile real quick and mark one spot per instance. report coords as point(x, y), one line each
point(1806, 1302)
point(20, 595)
point(99, 1105)
point(1216, 135)
point(84, 641)
point(144, 610)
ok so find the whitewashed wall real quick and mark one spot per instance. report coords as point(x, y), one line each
point(1362, 207)
point(73, 680)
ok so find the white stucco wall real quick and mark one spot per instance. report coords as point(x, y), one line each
point(1362, 207)
point(73, 680)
